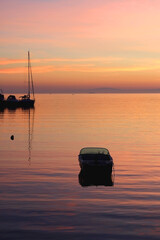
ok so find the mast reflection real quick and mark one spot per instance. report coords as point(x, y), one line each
point(28, 114)
point(31, 112)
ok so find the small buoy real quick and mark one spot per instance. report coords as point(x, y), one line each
point(12, 137)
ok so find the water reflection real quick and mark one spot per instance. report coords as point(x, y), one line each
point(45, 201)
point(28, 115)
point(30, 130)
point(95, 177)
point(1, 112)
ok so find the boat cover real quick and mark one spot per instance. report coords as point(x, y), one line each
point(94, 150)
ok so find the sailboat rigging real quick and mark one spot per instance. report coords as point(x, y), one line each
point(26, 100)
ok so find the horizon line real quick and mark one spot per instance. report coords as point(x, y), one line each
point(86, 92)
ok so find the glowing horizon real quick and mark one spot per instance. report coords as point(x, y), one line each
point(80, 46)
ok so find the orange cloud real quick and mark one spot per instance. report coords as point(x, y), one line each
point(78, 68)
point(18, 70)
point(5, 61)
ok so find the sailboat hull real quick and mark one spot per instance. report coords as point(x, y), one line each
point(16, 104)
point(26, 103)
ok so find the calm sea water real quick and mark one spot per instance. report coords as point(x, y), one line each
point(41, 196)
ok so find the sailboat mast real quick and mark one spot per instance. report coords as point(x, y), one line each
point(28, 74)
point(31, 78)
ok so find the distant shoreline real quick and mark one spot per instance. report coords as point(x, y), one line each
point(87, 91)
point(73, 93)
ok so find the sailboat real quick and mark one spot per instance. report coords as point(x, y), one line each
point(26, 100)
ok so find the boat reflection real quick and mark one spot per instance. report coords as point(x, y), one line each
point(95, 177)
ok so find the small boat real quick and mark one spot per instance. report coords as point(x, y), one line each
point(25, 101)
point(11, 102)
point(93, 157)
point(1, 99)
point(1, 96)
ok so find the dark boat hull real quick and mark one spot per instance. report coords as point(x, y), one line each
point(2, 106)
point(95, 177)
point(96, 161)
point(16, 104)
point(26, 103)
point(105, 167)
point(10, 104)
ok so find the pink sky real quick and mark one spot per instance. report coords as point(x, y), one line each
point(80, 44)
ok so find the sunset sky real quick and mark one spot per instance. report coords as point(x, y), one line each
point(80, 45)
